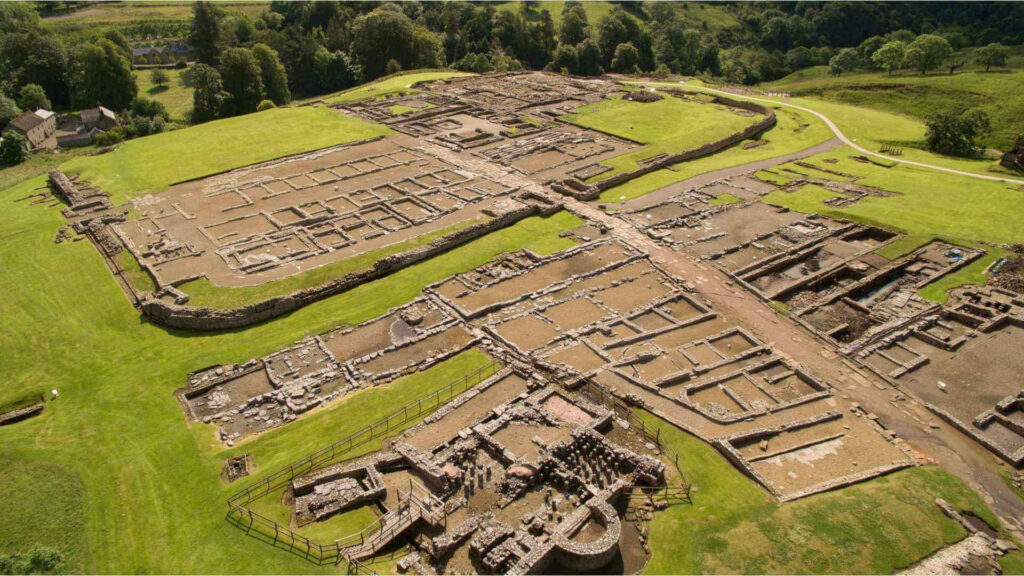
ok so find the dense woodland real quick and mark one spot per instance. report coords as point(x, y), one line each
point(302, 49)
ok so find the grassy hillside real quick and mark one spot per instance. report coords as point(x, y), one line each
point(169, 17)
point(393, 84)
point(174, 95)
point(998, 93)
point(668, 126)
point(704, 16)
point(151, 164)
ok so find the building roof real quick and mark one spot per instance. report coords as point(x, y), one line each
point(91, 115)
point(26, 121)
point(44, 114)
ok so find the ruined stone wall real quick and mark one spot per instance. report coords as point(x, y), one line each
point(203, 318)
point(705, 150)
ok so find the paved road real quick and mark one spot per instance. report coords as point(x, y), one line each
point(839, 134)
point(898, 410)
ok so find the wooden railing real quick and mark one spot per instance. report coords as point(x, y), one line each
point(269, 530)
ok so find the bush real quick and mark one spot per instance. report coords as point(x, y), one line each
point(265, 105)
point(39, 560)
point(181, 64)
point(393, 67)
point(956, 132)
point(14, 149)
point(149, 108)
point(109, 138)
point(8, 110)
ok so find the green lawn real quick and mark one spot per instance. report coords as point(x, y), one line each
point(928, 204)
point(174, 95)
point(734, 526)
point(536, 233)
point(908, 93)
point(668, 126)
point(389, 85)
point(151, 164)
point(794, 131)
point(111, 473)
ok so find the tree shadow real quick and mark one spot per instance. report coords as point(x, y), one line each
point(158, 90)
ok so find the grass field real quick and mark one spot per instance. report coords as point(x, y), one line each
point(908, 93)
point(151, 164)
point(536, 233)
point(794, 131)
point(735, 527)
point(174, 95)
point(928, 205)
point(668, 126)
point(705, 16)
point(110, 472)
point(390, 85)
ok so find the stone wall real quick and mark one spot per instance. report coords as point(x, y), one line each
point(203, 318)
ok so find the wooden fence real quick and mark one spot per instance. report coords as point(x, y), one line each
point(261, 527)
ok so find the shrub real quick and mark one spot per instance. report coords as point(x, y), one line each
point(159, 77)
point(109, 138)
point(265, 105)
point(13, 150)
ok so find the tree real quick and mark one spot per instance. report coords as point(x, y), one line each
point(205, 31)
point(574, 28)
point(35, 59)
point(626, 59)
point(381, 36)
point(890, 55)
point(99, 73)
point(159, 77)
point(275, 79)
point(392, 67)
point(955, 132)
point(8, 110)
point(240, 75)
point(566, 59)
point(335, 70)
point(846, 60)
point(208, 96)
point(18, 17)
point(927, 52)
point(588, 55)
point(619, 27)
point(32, 97)
point(992, 55)
point(13, 150)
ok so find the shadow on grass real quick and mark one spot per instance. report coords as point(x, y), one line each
point(158, 90)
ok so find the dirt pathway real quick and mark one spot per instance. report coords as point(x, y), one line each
point(896, 410)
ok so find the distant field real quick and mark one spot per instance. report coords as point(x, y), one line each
point(174, 95)
point(715, 17)
point(389, 85)
point(998, 93)
point(669, 126)
point(153, 163)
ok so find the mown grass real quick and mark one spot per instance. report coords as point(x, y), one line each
point(174, 95)
point(907, 93)
point(724, 199)
point(398, 83)
point(927, 205)
point(536, 233)
point(151, 164)
point(733, 526)
point(794, 131)
point(927, 202)
point(110, 472)
point(668, 126)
